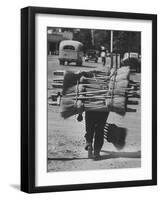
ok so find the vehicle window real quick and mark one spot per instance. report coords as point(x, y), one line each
point(69, 47)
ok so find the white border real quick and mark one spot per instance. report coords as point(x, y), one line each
point(62, 178)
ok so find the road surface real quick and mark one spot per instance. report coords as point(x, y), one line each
point(66, 137)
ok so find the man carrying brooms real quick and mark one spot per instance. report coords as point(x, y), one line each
point(97, 93)
point(94, 126)
point(94, 120)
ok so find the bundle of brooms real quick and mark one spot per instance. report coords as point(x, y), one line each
point(97, 91)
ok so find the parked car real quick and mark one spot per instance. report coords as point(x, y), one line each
point(70, 51)
point(91, 55)
point(133, 60)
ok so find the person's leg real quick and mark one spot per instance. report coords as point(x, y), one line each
point(99, 132)
point(103, 61)
point(89, 123)
point(99, 138)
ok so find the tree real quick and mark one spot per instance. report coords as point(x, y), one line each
point(127, 41)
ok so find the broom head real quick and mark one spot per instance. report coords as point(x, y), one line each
point(115, 135)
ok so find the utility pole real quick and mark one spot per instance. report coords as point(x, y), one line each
point(111, 48)
point(92, 36)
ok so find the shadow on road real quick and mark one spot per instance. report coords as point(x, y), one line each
point(67, 159)
point(109, 155)
point(113, 154)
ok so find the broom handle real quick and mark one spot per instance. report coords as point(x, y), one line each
point(103, 77)
point(95, 97)
point(91, 80)
point(128, 90)
point(92, 92)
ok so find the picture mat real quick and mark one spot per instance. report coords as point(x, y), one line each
point(93, 176)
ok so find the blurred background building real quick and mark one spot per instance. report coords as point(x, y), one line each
point(54, 37)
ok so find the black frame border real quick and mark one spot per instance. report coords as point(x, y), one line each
point(28, 98)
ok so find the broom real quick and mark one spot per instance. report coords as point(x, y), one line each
point(70, 79)
point(119, 84)
point(115, 135)
point(121, 70)
point(118, 104)
point(95, 94)
point(83, 79)
point(88, 87)
point(71, 107)
point(119, 77)
point(94, 87)
point(92, 81)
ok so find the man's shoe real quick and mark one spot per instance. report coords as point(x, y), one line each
point(90, 153)
point(96, 156)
